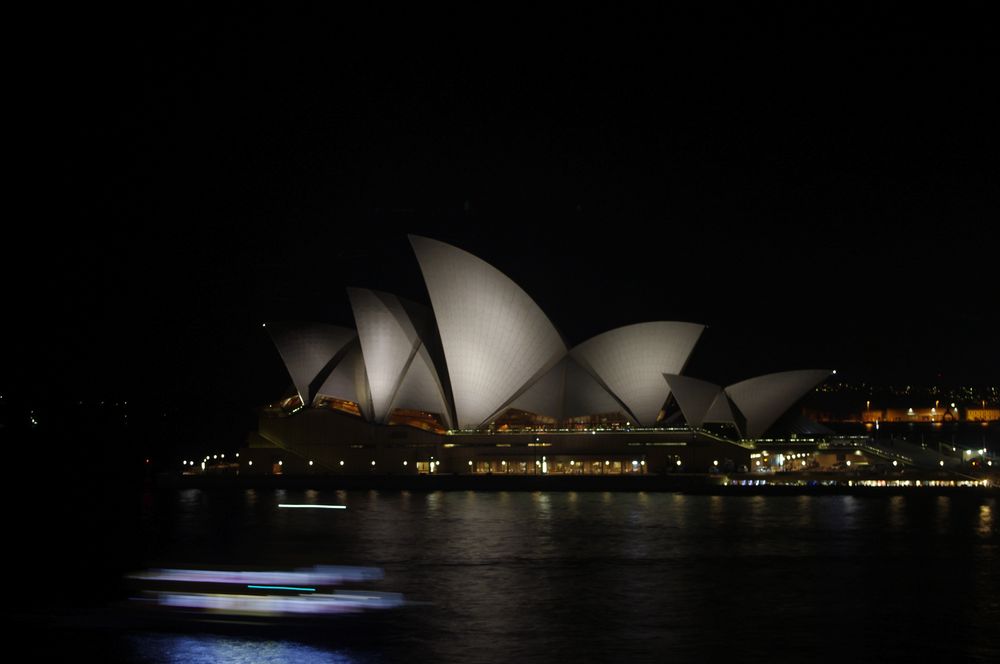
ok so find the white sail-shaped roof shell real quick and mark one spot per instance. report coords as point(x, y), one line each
point(388, 343)
point(496, 339)
point(547, 395)
point(348, 381)
point(721, 410)
point(307, 349)
point(630, 362)
point(763, 399)
point(421, 388)
point(694, 396)
point(585, 395)
point(567, 391)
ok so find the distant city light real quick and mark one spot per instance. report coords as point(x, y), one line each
point(941, 462)
point(405, 463)
point(280, 462)
point(373, 462)
point(342, 462)
point(895, 463)
point(310, 462)
point(679, 462)
point(250, 463)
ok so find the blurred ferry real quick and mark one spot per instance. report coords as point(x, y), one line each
point(253, 596)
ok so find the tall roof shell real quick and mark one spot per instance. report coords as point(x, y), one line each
point(388, 344)
point(421, 389)
point(763, 399)
point(348, 380)
point(393, 333)
point(585, 395)
point(722, 410)
point(310, 352)
point(694, 396)
point(547, 395)
point(496, 339)
point(630, 362)
point(566, 391)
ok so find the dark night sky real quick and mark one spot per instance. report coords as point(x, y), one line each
point(819, 200)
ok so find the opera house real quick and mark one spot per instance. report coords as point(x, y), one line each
point(482, 382)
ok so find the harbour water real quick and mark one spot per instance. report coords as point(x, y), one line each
point(557, 576)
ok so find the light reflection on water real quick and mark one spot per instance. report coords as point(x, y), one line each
point(567, 576)
point(216, 649)
point(985, 520)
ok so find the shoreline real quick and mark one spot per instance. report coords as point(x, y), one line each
point(690, 484)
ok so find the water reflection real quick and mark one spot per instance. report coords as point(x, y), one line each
point(208, 648)
point(594, 575)
point(897, 513)
point(985, 521)
point(942, 515)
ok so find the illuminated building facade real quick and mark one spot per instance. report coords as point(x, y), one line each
point(483, 382)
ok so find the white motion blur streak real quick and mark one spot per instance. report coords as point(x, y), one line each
point(496, 338)
point(630, 362)
point(313, 576)
point(281, 605)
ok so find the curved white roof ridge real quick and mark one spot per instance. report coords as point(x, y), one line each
point(389, 341)
point(694, 396)
point(310, 352)
point(763, 399)
point(495, 337)
point(630, 362)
